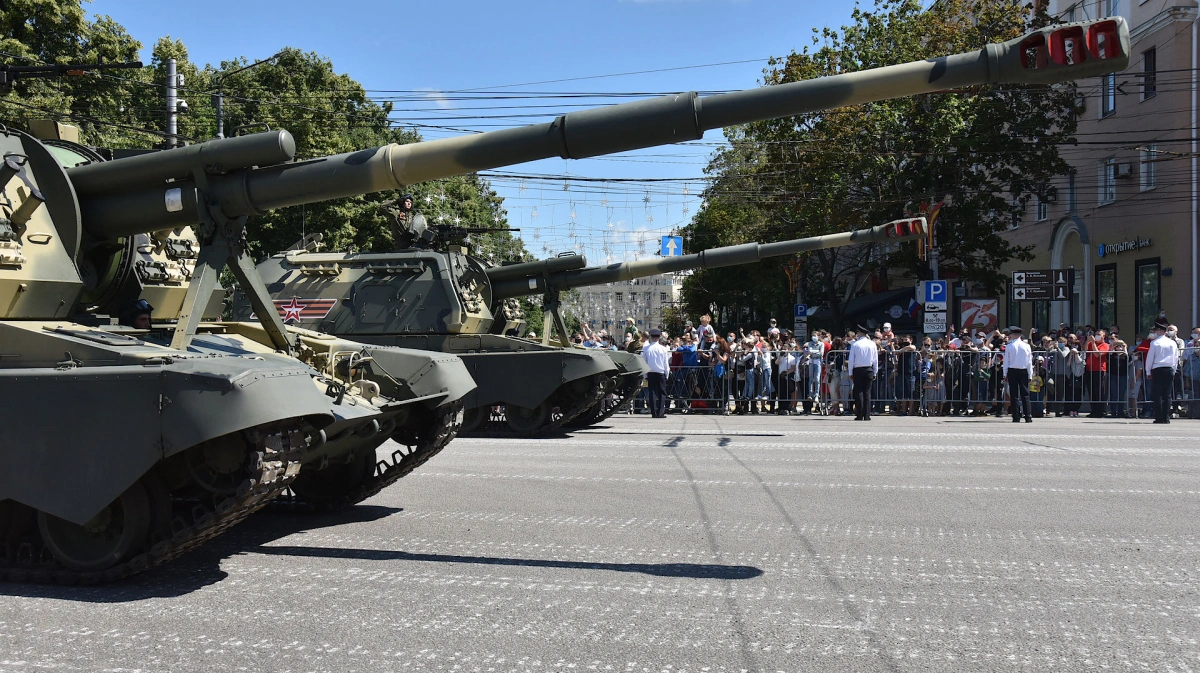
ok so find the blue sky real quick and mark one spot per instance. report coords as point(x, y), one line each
point(433, 47)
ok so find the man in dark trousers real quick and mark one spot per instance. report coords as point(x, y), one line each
point(1161, 362)
point(863, 364)
point(658, 360)
point(1018, 370)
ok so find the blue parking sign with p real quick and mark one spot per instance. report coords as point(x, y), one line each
point(801, 311)
point(935, 291)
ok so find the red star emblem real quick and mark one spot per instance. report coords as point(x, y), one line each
point(292, 311)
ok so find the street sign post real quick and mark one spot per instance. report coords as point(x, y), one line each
point(800, 321)
point(1042, 284)
point(935, 322)
point(934, 292)
point(672, 246)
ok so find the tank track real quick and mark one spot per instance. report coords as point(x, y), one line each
point(425, 444)
point(278, 460)
point(611, 403)
point(495, 426)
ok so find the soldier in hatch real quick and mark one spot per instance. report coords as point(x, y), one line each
point(409, 229)
point(137, 314)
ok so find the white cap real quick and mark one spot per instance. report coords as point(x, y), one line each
point(887, 326)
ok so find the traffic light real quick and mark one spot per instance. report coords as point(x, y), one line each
point(907, 228)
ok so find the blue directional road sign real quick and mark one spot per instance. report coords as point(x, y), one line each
point(672, 246)
point(935, 292)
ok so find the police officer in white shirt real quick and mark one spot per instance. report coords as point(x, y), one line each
point(1161, 362)
point(864, 365)
point(658, 360)
point(1018, 370)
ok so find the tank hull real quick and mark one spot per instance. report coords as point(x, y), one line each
point(165, 449)
point(631, 372)
point(412, 397)
point(565, 381)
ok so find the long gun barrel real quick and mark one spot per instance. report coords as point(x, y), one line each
point(1043, 56)
point(518, 280)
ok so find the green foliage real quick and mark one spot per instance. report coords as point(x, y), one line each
point(855, 167)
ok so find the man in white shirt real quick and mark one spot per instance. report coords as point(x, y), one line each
point(1018, 370)
point(1161, 362)
point(658, 360)
point(864, 365)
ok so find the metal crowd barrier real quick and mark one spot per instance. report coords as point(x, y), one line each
point(933, 383)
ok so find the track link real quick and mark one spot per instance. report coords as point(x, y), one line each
point(421, 444)
point(495, 425)
point(627, 386)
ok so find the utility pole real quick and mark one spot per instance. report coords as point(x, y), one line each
point(175, 104)
point(172, 110)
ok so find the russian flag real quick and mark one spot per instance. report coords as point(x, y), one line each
point(913, 307)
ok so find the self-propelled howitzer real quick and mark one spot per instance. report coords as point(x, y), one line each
point(414, 397)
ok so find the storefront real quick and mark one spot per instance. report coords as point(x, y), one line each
point(1124, 276)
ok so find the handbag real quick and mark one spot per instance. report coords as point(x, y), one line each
point(719, 370)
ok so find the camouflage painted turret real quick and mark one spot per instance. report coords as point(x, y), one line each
point(452, 302)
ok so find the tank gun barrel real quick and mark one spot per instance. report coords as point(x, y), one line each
point(535, 283)
point(522, 272)
point(147, 174)
point(1044, 56)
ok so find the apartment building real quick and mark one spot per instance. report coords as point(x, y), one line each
point(643, 299)
point(1126, 218)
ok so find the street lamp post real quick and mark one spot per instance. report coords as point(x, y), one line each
point(219, 96)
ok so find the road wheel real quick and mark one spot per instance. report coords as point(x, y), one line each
point(526, 420)
point(328, 488)
point(473, 418)
point(112, 536)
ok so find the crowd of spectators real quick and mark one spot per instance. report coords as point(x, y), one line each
point(1093, 371)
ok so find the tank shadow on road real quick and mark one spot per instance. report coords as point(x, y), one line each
point(202, 567)
point(688, 570)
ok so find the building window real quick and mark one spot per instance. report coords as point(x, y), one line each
point(1043, 209)
point(1072, 201)
point(1149, 73)
point(1106, 295)
point(1014, 211)
point(1106, 180)
point(1112, 7)
point(1149, 170)
point(620, 296)
point(662, 296)
point(1147, 296)
point(1108, 95)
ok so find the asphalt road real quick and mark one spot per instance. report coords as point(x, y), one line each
point(691, 544)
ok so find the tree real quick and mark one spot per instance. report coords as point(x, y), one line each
point(991, 148)
point(325, 111)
